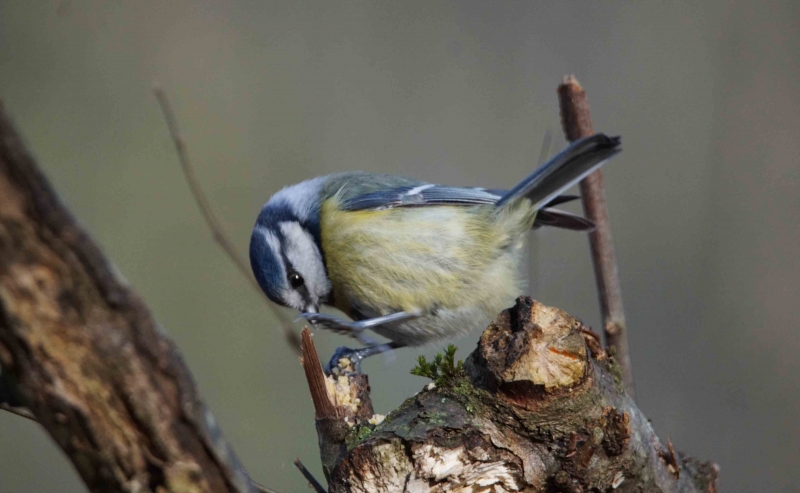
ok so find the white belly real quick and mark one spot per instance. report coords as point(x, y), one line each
point(442, 325)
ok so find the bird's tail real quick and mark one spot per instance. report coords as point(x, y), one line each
point(565, 169)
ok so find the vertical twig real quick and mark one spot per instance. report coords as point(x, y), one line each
point(208, 214)
point(323, 405)
point(331, 427)
point(577, 123)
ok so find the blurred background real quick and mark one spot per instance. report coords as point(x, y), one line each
point(705, 200)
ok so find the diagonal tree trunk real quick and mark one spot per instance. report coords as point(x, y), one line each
point(86, 357)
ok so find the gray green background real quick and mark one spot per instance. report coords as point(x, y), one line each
point(704, 200)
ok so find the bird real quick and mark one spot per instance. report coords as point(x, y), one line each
point(412, 261)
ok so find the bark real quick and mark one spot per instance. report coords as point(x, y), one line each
point(539, 406)
point(86, 356)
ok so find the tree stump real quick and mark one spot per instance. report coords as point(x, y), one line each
point(538, 406)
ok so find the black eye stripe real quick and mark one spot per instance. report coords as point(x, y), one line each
point(301, 288)
point(290, 270)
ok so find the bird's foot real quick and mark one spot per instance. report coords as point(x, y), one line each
point(356, 330)
point(347, 360)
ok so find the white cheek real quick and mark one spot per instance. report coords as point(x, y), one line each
point(304, 255)
point(292, 298)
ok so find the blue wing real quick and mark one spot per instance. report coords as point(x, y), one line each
point(422, 195)
point(542, 187)
point(427, 195)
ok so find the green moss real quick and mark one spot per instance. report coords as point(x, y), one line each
point(357, 435)
point(443, 369)
point(462, 387)
point(467, 395)
point(450, 378)
point(435, 418)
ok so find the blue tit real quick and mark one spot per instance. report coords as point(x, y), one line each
point(412, 261)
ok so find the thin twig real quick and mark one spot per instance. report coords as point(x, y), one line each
point(211, 220)
point(312, 481)
point(577, 122)
point(673, 461)
point(323, 406)
point(261, 488)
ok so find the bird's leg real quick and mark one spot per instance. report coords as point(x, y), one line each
point(356, 330)
point(329, 322)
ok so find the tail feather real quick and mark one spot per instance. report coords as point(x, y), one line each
point(565, 169)
point(556, 218)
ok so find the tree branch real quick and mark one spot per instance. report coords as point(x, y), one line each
point(86, 356)
point(538, 407)
point(577, 123)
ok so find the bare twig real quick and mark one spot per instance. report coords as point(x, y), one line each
point(312, 481)
point(671, 459)
point(211, 220)
point(577, 123)
point(323, 406)
point(261, 488)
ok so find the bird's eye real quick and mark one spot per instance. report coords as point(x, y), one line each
point(295, 280)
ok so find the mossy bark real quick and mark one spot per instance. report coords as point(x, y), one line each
point(538, 408)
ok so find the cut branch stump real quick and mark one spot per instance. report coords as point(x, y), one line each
point(539, 406)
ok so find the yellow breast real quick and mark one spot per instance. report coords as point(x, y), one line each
point(423, 257)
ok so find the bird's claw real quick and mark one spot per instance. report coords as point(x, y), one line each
point(357, 331)
point(345, 360)
point(354, 357)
